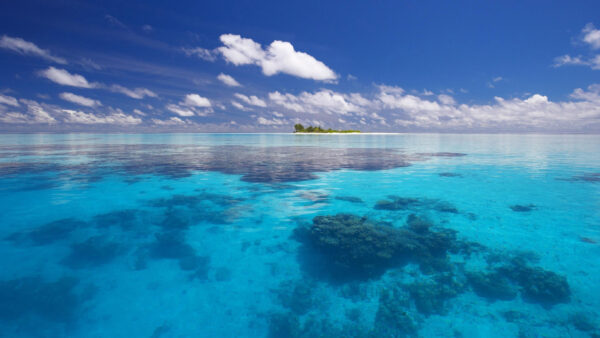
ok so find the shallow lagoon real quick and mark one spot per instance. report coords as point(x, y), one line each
point(254, 235)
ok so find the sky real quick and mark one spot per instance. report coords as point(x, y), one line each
point(263, 66)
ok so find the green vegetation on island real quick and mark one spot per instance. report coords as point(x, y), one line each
point(298, 128)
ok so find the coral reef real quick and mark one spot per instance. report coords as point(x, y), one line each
point(392, 318)
point(94, 251)
point(394, 203)
point(493, 286)
point(357, 246)
point(430, 296)
point(523, 208)
point(124, 219)
point(351, 199)
point(297, 296)
point(56, 301)
point(448, 174)
point(48, 233)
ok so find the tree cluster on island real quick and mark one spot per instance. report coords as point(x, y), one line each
point(298, 128)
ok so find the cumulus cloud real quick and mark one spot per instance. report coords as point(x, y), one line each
point(173, 121)
point(270, 122)
point(392, 108)
point(35, 114)
point(202, 53)
point(65, 78)
point(228, 80)
point(324, 101)
point(180, 110)
point(238, 105)
point(139, 112)
point(446, 99)
point(8, 100)
point(278, 57)
point(136, 93)
point(80, 100)
point(591, 36)
point(23, 47)
point(117, 117)
point(251, 100)
point(195, 100)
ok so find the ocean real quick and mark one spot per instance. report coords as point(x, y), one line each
point(283, 235)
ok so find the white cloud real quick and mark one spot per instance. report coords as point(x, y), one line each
point(35, 114)
point(497, 79)
point(228, 80)
point(446, 99)
point(136, 93)
point(195, 100)
point(591, 36)
point(270, 122)
point(80, 100)
point(238, 105)
point(23, 47)
point(117, 117)
point(202, 53)
point(179, 110)
point(173, 121)
point(8, 100)
point(65, 78)
point(251, 100)
point(279, 57)
point(139, 112)
point(323, 101)
point(277, 114)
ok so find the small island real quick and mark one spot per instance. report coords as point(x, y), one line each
point(298, 128)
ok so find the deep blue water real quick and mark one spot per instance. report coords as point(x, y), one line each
point(267, 235)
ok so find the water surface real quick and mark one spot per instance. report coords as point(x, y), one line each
point(258, 235)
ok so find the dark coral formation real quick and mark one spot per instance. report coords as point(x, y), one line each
point(48, 233)
point(430, 297)
point(588, 177)
point(124, 219)
point(297, 296)
point(523, 208)
point(393, 318)
point(448, 174)
point(492, 286)
point(172, 245)
point(394, 203)
point(55, 301)
point(94, 251)
point(351, 199)
point(538, 285)
point(353, 245)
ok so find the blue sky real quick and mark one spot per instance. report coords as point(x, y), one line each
point(244, 66)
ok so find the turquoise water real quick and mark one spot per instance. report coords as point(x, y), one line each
point(272, 235)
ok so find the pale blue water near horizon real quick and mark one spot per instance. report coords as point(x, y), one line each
point(283, 235)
